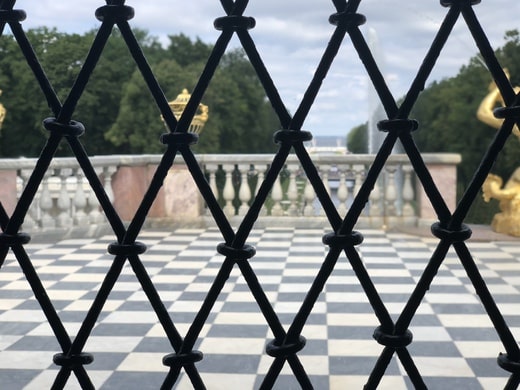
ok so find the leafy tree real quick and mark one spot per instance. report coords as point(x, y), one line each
point(61, 56)
point(186, 52)
point(446, 111)
point(138, 125)
point(240, 119)
point(23, 133)
point(447, 115)
point(99, 105)
point(357, 139)
point(116, 105)
point(245, 119)
point(19, 127)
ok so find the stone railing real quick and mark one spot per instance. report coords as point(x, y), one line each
point(60, 202)
point(234, 179)
point(396, 200)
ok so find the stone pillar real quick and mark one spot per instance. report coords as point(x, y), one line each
point(178, 200)
point(443, 169)
point(129, 185)
point(8, 190)
point(182, 200)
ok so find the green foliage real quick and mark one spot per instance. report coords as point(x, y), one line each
point(22, 132)
point(240, 120)
point(446, 112)
point(116, 107)
point(185, 52)
point(357, 139)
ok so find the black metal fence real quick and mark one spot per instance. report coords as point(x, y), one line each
point(450, 228)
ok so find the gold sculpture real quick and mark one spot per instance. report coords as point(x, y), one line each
point(200, 118)
point(507, 221)
point(493, 100)
point(3, 112)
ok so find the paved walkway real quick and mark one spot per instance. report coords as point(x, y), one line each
point(455, 345)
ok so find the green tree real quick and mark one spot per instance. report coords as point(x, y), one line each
point(116, 105)
point(244, 117)
point(446, 112)
point(138, 125)
point(23, 133)
point(62, 56)
point(357, 139)
point(186, 52)
point(99, 105)
point(240, 118)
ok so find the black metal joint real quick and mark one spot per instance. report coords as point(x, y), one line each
point(449, 3)
point(234, 22)
point(178, 139)
point(12, 15)
point(451, 235)
point(507, 364)
point(71, 129)
point(134, 249)
point(507, 112)
point(347, 19)
point(244, 253)
point(342, 241)
point(14, 239)
point(182, 359)
point(72, 361)
point(398, 126)
point(115, 13)
point(292, 136)
point(393, 340)
point(284, 350)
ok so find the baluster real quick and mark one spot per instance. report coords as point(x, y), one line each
point(244, 192)
point(408, 192)
point(212, 170)
point(292, 190)
point(310, 197)
point(229, 190)
point(342, 190)
point(30, 221)
point(80, 201)
point(390, 192)
point(64, 203)
point(375, 201)
point(259, 181)
point(277, 197)
point(358, 177)
point(325, 169)
point(107, 181)
point(94, 214)
point(47, 221)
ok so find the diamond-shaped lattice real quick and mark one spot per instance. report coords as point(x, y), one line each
point(287, 342)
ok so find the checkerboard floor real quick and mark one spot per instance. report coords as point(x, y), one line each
point(455, 345)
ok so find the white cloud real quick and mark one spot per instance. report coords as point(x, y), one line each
point(291, 36)
point(274, 30)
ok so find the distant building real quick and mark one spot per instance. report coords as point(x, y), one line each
point(327, 144)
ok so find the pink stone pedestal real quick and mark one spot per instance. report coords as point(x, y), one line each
point(178, 200)
point(8, 190)
point(443, 169)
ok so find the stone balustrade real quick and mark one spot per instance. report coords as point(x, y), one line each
point(397, 199)
point(65, 199)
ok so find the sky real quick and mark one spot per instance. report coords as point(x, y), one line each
point(291, 36)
